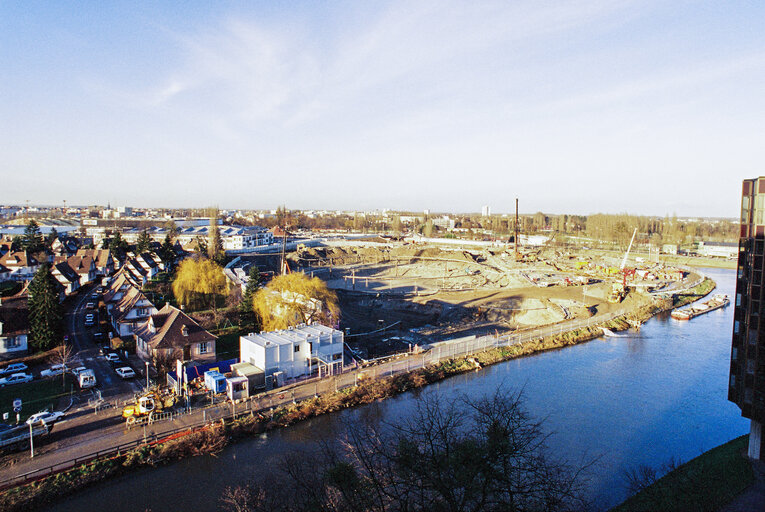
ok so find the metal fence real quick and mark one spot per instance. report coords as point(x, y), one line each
point(270, 400)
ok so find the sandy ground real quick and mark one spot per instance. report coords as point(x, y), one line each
point(416, 294)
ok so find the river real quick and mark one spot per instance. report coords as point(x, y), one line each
point(640, 398)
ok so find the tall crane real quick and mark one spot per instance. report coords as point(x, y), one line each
point(624, 261)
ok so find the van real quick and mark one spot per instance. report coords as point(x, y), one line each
point(87, 379)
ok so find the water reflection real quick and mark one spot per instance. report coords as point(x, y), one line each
point(657, 394)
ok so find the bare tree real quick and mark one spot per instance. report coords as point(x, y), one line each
point(471, 454)
point(63, 355)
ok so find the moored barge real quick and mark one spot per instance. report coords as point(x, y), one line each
point(720, 300)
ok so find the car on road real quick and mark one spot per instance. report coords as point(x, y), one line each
point(56, 369)
point(112, 357)
point(98, 337)
point(13, 368)
point(90, 319)
point(95, 295)
point(46, 417)
point(16, 378)
point(125, 372)
point(90, 305)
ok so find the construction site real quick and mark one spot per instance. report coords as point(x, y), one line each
point(396, 296)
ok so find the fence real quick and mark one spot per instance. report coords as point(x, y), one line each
point(294, 393)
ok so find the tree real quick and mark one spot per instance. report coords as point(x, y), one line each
point(214, 243)
point(201, 247)
point(63, 355)
point(199, 281)
point(32, 239)
point(143, 242)
point(118, 245)
point(476, 454)
point(292, 299)
point(167, 251)
point(45, 316)
point(246, 313)
point(52, 236)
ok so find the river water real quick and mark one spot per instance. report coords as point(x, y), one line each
point(640, 398)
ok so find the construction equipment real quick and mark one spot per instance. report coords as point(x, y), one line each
point(147, 404)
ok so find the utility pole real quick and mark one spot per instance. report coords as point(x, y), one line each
point(516, 229)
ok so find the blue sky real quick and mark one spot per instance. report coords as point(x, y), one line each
point(574, 107)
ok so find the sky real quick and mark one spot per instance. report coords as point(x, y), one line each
point(643, 107)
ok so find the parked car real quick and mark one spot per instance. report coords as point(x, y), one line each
point(112, 357)
point(125, 372)
point(98, 338)
point(90, 319)
point(56, 369)
point(47, 417)
point(87, 379)
point(95, 295)
point(104, 349)
point(16, 378)
point(90, 305)
point(13, 368)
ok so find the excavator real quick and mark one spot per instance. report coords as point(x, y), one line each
point(147, 404)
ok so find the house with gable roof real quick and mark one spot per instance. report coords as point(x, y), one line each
point(131, 310)
point(14, 326)
point(172, 334)
point(84, 266)
point(21, 264)
point(66, 276)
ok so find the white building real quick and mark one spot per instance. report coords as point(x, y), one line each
point(485, 211)
point(297, 351)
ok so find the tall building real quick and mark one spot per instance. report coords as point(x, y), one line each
point(746, 387)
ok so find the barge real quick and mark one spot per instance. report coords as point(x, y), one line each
point(720, 300)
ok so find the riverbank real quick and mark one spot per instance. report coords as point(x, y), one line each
point(53, 487)
point(704, 484)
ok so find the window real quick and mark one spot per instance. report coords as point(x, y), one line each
point(204, 347)
point(297, 348)
point(734, 353)
point(335, 357)
point(738, 299)
point(736, 327)
point(733, 381)
point(748, 395)
point(750, 366)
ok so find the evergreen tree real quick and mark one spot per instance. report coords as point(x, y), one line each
point(118, 245)
point(32, 240)
point(143, 243)
point(246, 314)
point(214, 243)
point(45, 315)
point(52, 236)
point(167, 251)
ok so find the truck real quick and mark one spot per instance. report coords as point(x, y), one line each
point(87, 379)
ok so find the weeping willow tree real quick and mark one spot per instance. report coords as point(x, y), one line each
point(291, 299)
point(199, 282)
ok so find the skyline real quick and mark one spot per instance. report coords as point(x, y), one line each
point(578, 107)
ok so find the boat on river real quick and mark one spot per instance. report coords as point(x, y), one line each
point(720, 300)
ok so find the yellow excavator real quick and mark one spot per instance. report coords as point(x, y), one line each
point(147, 404)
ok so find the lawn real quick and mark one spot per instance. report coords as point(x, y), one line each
point(703, 484)
point(35, 396)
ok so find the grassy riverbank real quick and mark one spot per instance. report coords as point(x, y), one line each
point(216, 437)
point(703, 484)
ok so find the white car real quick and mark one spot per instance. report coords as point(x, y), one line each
point(46, 417)
point(112, 357)
point(13, 368)
point(56, 369)
point(77, 371)
point(125, 372)
point(16, 378)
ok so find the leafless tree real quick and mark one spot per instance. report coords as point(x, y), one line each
point(484, 454)
point(63, 355)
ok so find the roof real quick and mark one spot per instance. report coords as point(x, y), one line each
point(172, 328)
point(18, 259)
point(66, 271)
point(127, 302)
point(289, 336)
point(82, 264)
point(14, 315)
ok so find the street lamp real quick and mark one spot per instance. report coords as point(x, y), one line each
point(147, 374)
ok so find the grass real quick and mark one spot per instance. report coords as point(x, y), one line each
point(35, 396)
point(703, 484)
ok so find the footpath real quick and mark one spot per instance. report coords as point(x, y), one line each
point(87, 433)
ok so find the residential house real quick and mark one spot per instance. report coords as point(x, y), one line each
point(298, 351)
point(67, 277)
point(172, 334)
point(130, 311)
point(14, 327)
point(64, 246)
point(84, 266)
point(136, 272)
point(105, 262)
point(150, 264)
point(21, 264)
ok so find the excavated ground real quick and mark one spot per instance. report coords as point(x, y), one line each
point(424, 294)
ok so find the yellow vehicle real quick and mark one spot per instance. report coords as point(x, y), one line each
point(147, 404)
